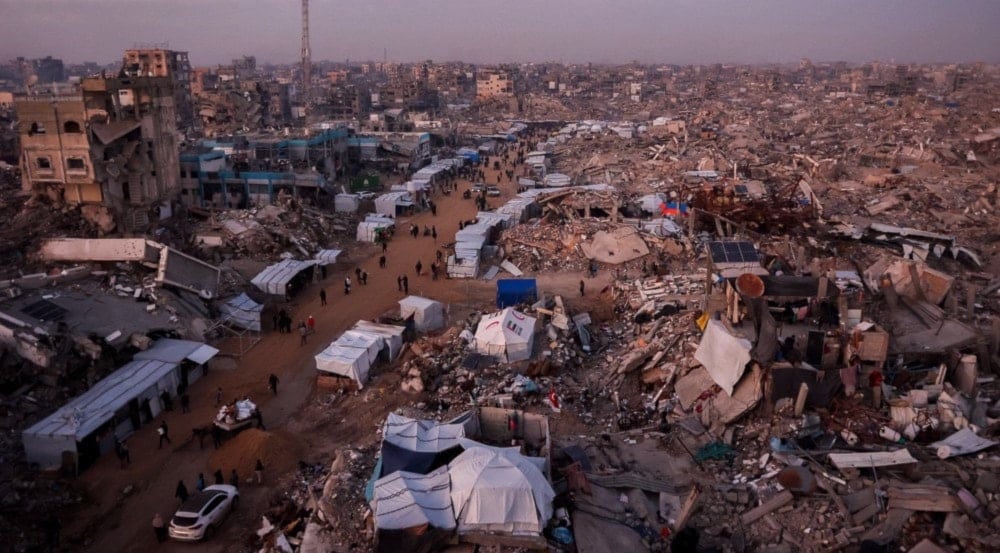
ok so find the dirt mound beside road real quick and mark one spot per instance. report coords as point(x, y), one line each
point(278, 451)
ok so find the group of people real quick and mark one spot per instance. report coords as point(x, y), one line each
point(282, 322)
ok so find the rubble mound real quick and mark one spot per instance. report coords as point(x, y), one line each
point(278, 451)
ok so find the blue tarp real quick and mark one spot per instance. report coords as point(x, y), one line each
point(512, 291)
point(469, 154)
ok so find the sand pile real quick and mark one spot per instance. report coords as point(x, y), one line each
point(278, 452)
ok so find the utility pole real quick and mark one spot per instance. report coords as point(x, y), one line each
point(306, 55)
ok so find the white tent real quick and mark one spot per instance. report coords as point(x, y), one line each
point(464, 264)
point(351, 355)
point(386, 203)
point(368, 230)
point(346, 203)
point(274, 278)
point(421, 435)
point(406, 499)
point(392, 334)
point(326, 257)
point(507, 335)
point(499, 490)
point(428, 315)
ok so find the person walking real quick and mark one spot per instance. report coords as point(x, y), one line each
point(322, 297)
point(219, 478)
point(163, 431)
point(420, 267)
point(434, 271)
point(439, 255)
point(311, 324)
point(381, 262)
point(272, 383)
point(124, 457)
point(199, 484)
point(406, 284)
point(185, 403)
point(364, 278)
point(302, 334)
point(385, 245)
point(399, 282)
point(234, 479)
point(357, 273)
point(159, 529)
point(347, 286)
point(434, 232)
point(581, 288)
point(218, 396)
point(258, 472)
point(260, 418)
point(282, 315)
point(181, 492)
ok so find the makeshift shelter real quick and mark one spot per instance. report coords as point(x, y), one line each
point(464, 263)
point(512, 291)
point(285, 277)
point(346, 203)
point(723, 355)
point(391, 204)
point(406, 500)
point(507, 335)
point(327, 257)
point(242, 312)
point(77, 428)
point(498, 490)
point(355, 351)
point(418, 445)
point(373, 227)
point(428, 315)
point(189, 355)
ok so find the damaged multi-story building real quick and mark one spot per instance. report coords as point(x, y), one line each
point(111, 148)
point(159, 62)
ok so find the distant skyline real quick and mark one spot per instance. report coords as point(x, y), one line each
point(569, 31)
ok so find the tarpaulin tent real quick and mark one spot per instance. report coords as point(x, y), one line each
point(421, 435)
point(242, 312)
point(428, 315)
point(464, 264)
point(387, 203)
point(723, 355)
point(507, 335)
point(512, 291)
point(327, 257)
point(392, 334)
point(497, 490)
point(346, 203)
point(351, 355)
point(406, 500)
point(275, 279)
point(369, 231)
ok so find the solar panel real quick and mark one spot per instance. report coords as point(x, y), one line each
point(733, 252)
point(44, 310)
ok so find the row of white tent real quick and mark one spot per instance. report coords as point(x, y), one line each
point(274, 279)
point(483, 488)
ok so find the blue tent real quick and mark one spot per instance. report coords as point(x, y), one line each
point(512, 291)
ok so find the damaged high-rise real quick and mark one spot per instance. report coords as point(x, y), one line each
point(112, 148)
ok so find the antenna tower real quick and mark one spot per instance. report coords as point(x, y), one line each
point(306, 56)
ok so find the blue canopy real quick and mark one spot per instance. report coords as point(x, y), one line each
point(512, 291)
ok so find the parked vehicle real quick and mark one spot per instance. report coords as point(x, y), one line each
point(492, 191)
point(203, 512)
point(477, 188)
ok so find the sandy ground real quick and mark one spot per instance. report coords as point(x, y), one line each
point(114, 523)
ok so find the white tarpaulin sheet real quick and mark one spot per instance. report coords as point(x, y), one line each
point(386, 203)
point(507, 334)
point(274, 278)
point(421, 435)
point(499, 490)
point(326, 257)
point(392, 334)
point(406, 500)
point(723, 355)
point(242, 312)
point(963, 442)
point(428, 315)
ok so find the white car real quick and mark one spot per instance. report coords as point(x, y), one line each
point(492, 190)
point(203, 512)
point(477, 188)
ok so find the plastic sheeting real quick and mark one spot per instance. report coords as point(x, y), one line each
point(406, 500)
point(274, 278)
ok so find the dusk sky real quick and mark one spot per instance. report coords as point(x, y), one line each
point(600, 31)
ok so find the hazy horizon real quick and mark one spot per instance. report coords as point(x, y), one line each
point(581, 31)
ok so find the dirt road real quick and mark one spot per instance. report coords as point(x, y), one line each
point(123, 524)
